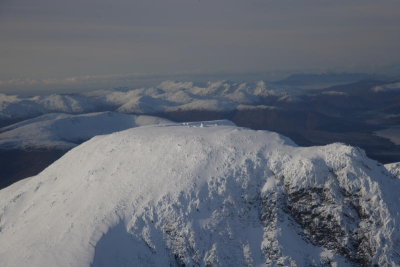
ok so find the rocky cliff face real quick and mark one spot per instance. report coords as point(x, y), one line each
point(343, 212)
point(203, 194)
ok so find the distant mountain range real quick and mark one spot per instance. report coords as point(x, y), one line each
point(166, 97)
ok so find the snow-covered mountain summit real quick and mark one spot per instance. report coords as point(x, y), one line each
point(203, 194)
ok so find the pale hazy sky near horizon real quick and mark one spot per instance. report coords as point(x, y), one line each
point(53, 39)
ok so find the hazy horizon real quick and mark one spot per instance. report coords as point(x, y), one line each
point(60, 43)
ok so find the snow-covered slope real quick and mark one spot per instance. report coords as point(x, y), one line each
point(394, 168)
point(64, 131)
point(205, 194)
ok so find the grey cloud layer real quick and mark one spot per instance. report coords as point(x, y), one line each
point(74, 38)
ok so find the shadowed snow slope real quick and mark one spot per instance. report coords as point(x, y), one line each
point(64, 131)
point(202, 194)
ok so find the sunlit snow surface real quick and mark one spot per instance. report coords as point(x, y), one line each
point(202, 194)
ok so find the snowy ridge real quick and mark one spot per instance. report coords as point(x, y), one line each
point(168, 96)
point(13, 106)
point(202, 194)
point(64, 131)
point(394, 168)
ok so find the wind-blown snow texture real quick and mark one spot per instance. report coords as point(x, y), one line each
point(168, 96)
point(64, 131)
point(202, 194)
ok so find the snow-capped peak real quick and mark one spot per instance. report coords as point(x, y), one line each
point(202, 194)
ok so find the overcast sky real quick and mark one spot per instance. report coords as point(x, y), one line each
point(53, 39)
